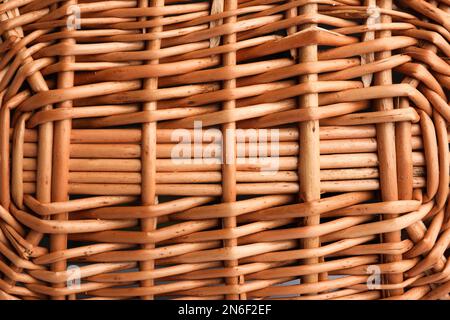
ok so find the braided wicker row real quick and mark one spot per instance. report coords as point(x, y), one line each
point(94, 207)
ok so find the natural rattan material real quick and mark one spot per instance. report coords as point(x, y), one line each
point(93, 205)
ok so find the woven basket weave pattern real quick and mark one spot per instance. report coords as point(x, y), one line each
point(350, 96)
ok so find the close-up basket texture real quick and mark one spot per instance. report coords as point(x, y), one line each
point(224, 149)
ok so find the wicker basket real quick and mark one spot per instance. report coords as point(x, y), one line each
point(212, 149)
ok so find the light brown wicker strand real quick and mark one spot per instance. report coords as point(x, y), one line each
point(105, 165)
point(417, 230)
point(148, 153)
point(441, 290)
point(61, 158)
point(5, 196)
point(229, 145)
point(386, 149)
point(309, 163)
point(38, 84)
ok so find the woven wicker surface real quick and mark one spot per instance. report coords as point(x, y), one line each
point(351, 96)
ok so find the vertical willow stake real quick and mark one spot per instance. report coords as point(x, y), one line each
point(229, 145)
point(217, 7)
point(61, 158)
point(372, 20)
point(309, 161)
point(386, 150)
point(148, 154)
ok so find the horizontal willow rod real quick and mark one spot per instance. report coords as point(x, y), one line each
point(165, 135)
point(330, 161)
point(216, 176)
point(216, 189)
point(164, 151)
